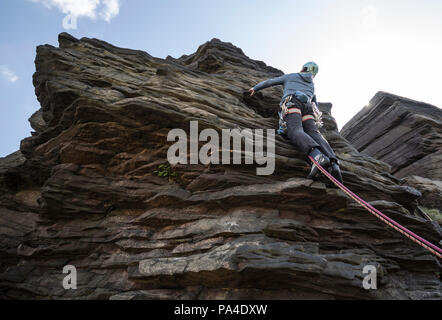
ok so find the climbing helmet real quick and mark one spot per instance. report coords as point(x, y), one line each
point(311, 67)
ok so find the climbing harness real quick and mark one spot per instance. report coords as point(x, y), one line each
point(287, 108)
point(301, 96)
point(294, 110)
point(390, 222)
point(308, 117)
point(317, 116)
point(282, 130)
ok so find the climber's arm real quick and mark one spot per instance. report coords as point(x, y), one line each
point(267, 83)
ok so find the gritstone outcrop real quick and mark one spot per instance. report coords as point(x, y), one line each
point(84, 190)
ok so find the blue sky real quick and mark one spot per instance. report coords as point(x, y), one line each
point(361, 46)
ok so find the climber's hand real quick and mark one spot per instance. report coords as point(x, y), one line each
point(252, 92)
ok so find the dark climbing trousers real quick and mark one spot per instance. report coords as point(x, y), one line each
point(303, 132)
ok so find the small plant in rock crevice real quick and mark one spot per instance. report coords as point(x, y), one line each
point(164, 170)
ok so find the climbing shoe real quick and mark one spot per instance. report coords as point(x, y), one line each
point(335, 171)
point(321, 159)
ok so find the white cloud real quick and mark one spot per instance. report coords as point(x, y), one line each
point(104, 9)
point(8, 74)
point(110, 10)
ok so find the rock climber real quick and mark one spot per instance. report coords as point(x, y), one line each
point(300, 117)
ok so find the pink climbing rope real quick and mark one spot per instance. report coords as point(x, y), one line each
point(390, 222)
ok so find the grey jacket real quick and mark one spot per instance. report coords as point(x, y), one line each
point(293, 83)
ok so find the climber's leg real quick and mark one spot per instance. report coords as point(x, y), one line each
point(311, 129)
point(295, 132)
point(304, 143)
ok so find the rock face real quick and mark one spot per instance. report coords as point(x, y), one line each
point(407, 135)
point(404, 133)
point(91, 188)
point(431, 191)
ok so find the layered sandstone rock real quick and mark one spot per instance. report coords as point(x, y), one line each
point(85, 190)
point(406, 134)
